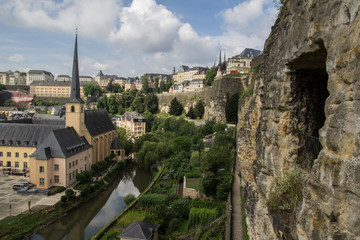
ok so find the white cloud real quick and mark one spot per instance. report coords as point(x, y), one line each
point(147, 26)
point(93, 18)
point(16, 58)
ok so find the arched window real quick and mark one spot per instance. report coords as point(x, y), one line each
point(72, 109)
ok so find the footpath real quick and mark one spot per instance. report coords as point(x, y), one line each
point(236, 221)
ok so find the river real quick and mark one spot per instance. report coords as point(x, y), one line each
point(85, 221)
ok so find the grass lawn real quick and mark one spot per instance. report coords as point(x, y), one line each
point(194, 183)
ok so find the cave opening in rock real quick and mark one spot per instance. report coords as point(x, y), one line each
point(309, 92)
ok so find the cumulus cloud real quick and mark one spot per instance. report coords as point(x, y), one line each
point(147, 26)
point(93, 18)
point(16, 58)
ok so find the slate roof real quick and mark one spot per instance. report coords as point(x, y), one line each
point(55, 83)
point(116, 144)
point(133, 116)
point(139, 230)
point(61, 143)
point(25, 135)
point(250, 53)
point(97, 121)
point(39, 72)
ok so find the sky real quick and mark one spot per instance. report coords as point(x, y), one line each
point(128, 38)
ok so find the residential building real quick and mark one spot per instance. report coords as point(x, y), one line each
point(53, 89)
point(17, 78)
point(38, 75)
point(188, 74)
point(63, 78)
point(133, 83)
point(4, 78)
point(241, 63)
point(133, 122)
point(140, 231)
point(121, 81)
point(86, 79)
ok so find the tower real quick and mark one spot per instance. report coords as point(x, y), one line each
point(75, 105)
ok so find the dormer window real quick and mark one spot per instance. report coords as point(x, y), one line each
point(26, 143)
point(17, 142)
point(10, 142)
point(34, 143)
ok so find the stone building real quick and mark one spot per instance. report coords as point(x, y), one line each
point(133, 122)
point(58, 89)
point(241, 63)
point(38, 75)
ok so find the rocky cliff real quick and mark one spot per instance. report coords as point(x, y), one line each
point(299, 126)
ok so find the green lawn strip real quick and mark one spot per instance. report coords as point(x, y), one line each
point(194, 183)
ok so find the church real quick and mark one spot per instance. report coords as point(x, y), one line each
point(89, 136)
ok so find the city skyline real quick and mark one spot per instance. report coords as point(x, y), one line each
point(128, 37)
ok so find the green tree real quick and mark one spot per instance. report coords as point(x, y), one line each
point(83, 177)
point(145, 83)
point(91, 89)
point(156, 85)
point(167, 86)
point(151, 103)
point(103, 103)
point(231, 108)
point(191, 113)
point(128, 97)
point(176, 108)
point(199, 109)
point(121, 109)
point(216, 158)
point(113, 104)
point(138, 104)
point(129, 198)
point(117, 88)
point(210, 75)
point(9, 103)
point(125, 141)
point(162, 87)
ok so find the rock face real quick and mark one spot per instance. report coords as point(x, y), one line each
point(304, 117)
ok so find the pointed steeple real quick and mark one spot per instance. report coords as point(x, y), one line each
point(75, 83)
point(220, 58)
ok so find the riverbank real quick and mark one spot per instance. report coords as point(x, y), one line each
point(24, 224)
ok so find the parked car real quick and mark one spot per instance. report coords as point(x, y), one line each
point(27, 184)
point(19, 186)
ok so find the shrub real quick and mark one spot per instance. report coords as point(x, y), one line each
point(174, 224)
point(85, 191)
point(151, 200)
point(70, 194)
point(223, 188)
point(129, 198)
point(181, 207)
point(63, 199)
point(201, 216)
point(59, 189)
point(83, 177)
point(287, 193)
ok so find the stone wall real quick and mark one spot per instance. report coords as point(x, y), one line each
point(214, 97)
point(307, 88)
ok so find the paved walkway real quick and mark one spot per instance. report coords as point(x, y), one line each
point(236, 223)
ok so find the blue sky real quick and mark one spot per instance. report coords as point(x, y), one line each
point(128, 37)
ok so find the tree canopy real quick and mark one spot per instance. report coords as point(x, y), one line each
point(91, 89)
point(210, 76)
point(176, 108)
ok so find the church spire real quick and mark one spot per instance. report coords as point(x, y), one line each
point(75, 83)
point(220, 58)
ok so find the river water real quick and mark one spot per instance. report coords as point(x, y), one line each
point(85, 221)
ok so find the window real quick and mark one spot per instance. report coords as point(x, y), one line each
point(72, 109)
point(25, 155)
point(56, 179)
point(1, 163)
point(41, 169)
point(25, 165)
point(8, 164)
point(73, 163)
point(1, 154)
point(41, 181)
point(16, 154)
point(69, 176)
point(9, 154)
point(76, 162)
point(16, 164)
point(69, 164)
point(73, 174)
